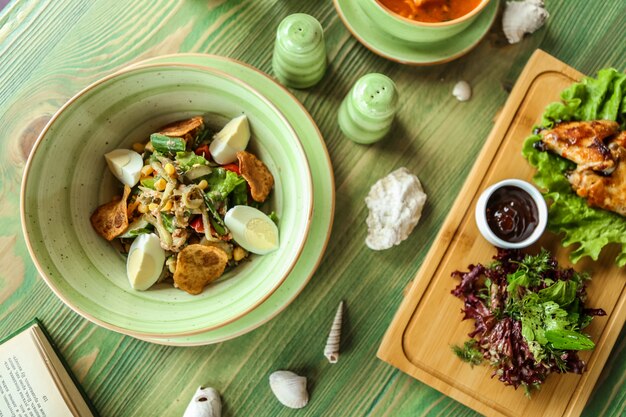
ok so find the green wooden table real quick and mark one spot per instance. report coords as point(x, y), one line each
point(50, 49)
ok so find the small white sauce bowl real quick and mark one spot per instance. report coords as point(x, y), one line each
point(481, 214)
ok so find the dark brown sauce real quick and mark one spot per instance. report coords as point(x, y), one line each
point(512, 214)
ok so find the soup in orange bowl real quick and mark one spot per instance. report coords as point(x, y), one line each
point(423, 21)
point(431, 11)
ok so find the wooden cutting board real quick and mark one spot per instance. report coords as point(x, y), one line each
point(429, 319)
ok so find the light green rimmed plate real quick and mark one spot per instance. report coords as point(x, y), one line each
point(323, 199)
point(66, 178)
point(387, 46)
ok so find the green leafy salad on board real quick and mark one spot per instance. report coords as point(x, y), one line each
point(529, 317)
point(190, 206)
point(580, 156)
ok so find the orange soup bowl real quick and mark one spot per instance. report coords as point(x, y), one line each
point(416, 31)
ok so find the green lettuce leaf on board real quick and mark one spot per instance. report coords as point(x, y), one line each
point(590, 228)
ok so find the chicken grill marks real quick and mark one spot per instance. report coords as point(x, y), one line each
point(583, 143)
point(599, 150)
point(607, 192)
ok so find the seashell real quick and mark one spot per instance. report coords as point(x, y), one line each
point(331, 351)
point(521, 17)
point(206, 402)
point(395, 204)
point(462, 91)
point(289, 389)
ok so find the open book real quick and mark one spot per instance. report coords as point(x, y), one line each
point(34, 381)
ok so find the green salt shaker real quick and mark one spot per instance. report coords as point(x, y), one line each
point(367, 112)
point(299, 59)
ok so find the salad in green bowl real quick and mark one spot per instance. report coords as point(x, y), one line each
point(191, 204)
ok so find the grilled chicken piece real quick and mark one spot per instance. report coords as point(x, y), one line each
point(607, 192)
point(583, 143)
point(617, 141)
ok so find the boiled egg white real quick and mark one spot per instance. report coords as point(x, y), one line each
point(145, 261)
point(234, 137)
point(125, 165)
point(252, 229)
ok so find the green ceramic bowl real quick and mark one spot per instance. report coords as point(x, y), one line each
point(414, 31)
point(66, 178)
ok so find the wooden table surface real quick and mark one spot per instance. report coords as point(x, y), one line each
point(50, 49)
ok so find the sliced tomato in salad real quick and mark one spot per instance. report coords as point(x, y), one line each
point(232, 167)
point(203, 150)
point(197, 224)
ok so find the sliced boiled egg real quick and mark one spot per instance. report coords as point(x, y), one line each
point(231, 139)
point(145, 261)
point(125, 165)
point(252, 229)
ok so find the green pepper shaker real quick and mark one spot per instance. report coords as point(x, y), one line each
point(299, 59)
point(367, 112)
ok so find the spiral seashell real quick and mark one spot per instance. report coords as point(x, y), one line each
point(289, 389)
point(206, 402)
point(331, 351)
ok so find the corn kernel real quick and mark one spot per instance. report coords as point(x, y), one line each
point(160, 184)
point(203, 184)
point(147, 170)
point(138, 147)
point(153, 206)
point(142, 208)
point(169, 168)
point(238, 254)
point(167, 206)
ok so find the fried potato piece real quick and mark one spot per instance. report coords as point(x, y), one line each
point(111, 219)
point(256, 174)
point(197, 266)
point(185, 129)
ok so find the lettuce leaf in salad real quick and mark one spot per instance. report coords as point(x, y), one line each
point(528, 330)
point(590, 228)
point(187, 160)
point(222, 182)
point(240, 195)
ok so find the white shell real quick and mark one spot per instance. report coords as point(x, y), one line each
point(331, 351)
point(521, 17)
point(289, 389)
point(395, 204)
point(462, 91)
point(206, 402)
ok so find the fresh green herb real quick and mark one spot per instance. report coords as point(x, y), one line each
point(221, 230)
point(273, 217)
point(561, 292)
point(569, 340)
point(203, 137)
point(240, 195)
point(214, 215)
point(148, 183)
point(221, 183)
point(469, 352)
point(168, 222)
point(138, 227)
point(529, 274)
point(529, 315)
point(167, 145)
point(187, 160)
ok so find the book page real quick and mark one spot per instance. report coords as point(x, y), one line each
point(27, 388)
